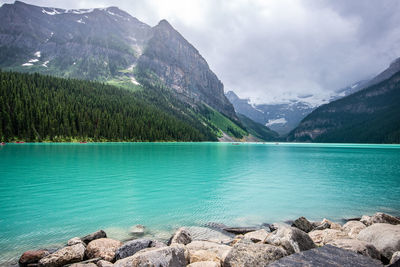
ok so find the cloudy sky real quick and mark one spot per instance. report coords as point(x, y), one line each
point(277, 50)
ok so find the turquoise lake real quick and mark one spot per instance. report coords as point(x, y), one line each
point(52, 192)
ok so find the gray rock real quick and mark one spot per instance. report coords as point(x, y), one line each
point(161, 257)
point(32, 256)
point(131, 247)
point(353, 228)
point(303, 224)
point(385, 237)
point(74, 241)
point(103, 263)
point(220, 250)
point(103, 248)
point(322, 226)
point(209, 234)
point(395, 258)
point(137, 229)
point(240, 230)
point(251, 254)
point(93, 236)
point(358, 246)
point(380, 217)
point(257, 236)
point(293, 240)
point(322, 237)
point(66, 255)
point(181, 236)
point(326, 256)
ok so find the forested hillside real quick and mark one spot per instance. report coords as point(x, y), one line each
point(35, 107)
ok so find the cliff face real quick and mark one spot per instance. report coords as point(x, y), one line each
point(180, 66)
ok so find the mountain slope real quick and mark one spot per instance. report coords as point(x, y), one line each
point(258, 130)
point(368, 116)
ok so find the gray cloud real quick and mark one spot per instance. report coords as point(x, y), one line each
point(276, 50)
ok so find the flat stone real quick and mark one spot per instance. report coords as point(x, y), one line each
point(96, 235)
point(303, 224)
point(32, 256)
point(326, 256)
point(137, 229)
point(104, 248)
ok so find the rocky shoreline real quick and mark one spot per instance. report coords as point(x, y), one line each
point(366, 241)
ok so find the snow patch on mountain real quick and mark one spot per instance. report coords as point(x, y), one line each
point(276, 121)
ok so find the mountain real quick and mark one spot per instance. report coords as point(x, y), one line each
point(111, 46)
point(281, 118)
point(368, 116)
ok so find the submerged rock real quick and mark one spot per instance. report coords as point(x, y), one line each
point(104, 248)
point(303, 224)
point(240, 230)
point(358, 246)
point(252, 254)
point(96, 235)
point(385, 237)
point(173, 256)
point(32, 256)
point(326, 256)
point(293, 240)
point(66, 255)
point(181, 236)
point(137, 229)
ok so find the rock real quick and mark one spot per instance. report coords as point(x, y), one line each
point(385, 237)
point(303, 224)
point(332, 225)
point(240, 230)
point(204, 255)
point(395, 257)
point(259, 235)
point(322, 226)
point(367, 220)
point(104, 248)
point(204, 264)
point(74, 241)
point(131, 247)
point(32, 256)
point(293, 240)
point(91, 264)
point(380, 217)
point(322, 237)
point(209, 234)
point(326, 256)
point(181, 236)
point(275, 226)
point(358, 246)
point(93, 236)
point(157, 244)
point(66, 255)
point(251, 254)
point(219, 249)
point(352, 228)
point(103, 263)
point(173, 256)
point(137, 229)
point(216, 225)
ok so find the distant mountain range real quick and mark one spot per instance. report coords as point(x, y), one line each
point(111, 46)
point(371, 115)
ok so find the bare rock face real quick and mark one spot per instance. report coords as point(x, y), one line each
point(66, 255)
point(293, 240)
point(253, 254)
point(32, 256)
point(181, 236)
point(322, 237)
point(104, 248)
point(361, 247)
point(96, 235)
point(379, 217)
point(326, 256)
point(352, 228)
point(303, 224)
point(173, 256)
point(385, 237)
point(219, 249)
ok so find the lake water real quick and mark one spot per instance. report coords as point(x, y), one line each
point(51, 192)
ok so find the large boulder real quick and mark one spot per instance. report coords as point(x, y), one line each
point(293, 240)
point(219, 249)
point(104, 248)
point(326, 256)
point(257, 236)
point(358, 246)
point(173, 256)
point(353, 228)
point(181, 236)
point(380, 217)
point(204, 264)
point(204, 255)
point(395, 257)
point(303, 224)
point(103, 263)
point(32, 256)
point(96, 235)
point(131, 247)
point(74, 241)
point(66, 255)
point(385, 237)
point(210, 234)
point(322, 237)
point(253, 254)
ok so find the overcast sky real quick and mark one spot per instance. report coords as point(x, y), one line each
point(276, 50)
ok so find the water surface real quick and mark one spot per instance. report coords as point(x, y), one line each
point(51, 192)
